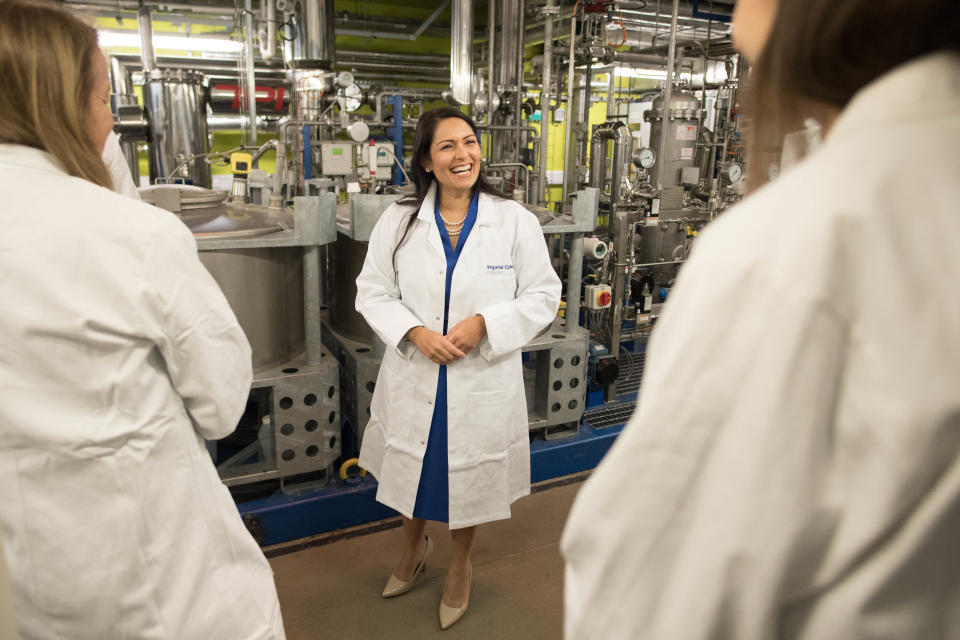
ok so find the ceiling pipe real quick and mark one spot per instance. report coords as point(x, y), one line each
point(461, 52)
point(147, 52)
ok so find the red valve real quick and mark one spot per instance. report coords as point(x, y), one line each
point(604, 298)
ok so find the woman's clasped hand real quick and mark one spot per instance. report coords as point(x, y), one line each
point(445, 349)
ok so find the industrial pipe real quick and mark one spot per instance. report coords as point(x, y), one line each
point(619, 133)
point(251, 74)
point(549, 12)
point(147, 52)
point(668, 91)
point(268, 49)
point(567, 150)
point(461, 52)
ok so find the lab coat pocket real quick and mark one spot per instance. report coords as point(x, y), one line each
point(490, 418)
point(397, 418)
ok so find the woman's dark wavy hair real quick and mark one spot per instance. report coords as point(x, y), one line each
point(422, 179)
point(825, 51)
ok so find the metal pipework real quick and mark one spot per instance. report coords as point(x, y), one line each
point(251, 75)
point(276, 198)
point(549, 11)
point(521, 20)
point(313, 46)
point(619, 133)
point(668, 88)
point(517, 165)
point(268, 49)
point(574, 276)
point(567, 151)
point(145, 25)
point(461, 52)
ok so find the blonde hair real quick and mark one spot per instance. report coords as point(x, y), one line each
point(46, 78)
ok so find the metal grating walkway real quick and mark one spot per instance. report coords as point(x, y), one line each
point(631, 372)
point(610, 415)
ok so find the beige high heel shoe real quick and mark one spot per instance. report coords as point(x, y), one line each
point(449, 616)
point(397, 587)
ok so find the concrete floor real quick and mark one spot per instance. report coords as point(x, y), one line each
point(330, 586)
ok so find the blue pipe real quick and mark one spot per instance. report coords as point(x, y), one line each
point(705, 15)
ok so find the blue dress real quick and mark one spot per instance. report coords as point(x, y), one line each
point(433, 493)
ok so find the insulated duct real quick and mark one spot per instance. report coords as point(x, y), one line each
point(461, 52)
point(312, 35)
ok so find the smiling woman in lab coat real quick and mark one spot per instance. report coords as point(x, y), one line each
point(793, 467)
point(118, 356)
point(456, 280)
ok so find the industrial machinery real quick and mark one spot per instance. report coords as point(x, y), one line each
point(638, 103)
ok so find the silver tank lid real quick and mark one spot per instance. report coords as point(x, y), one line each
point(207, 213)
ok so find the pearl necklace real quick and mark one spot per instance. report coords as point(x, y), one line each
point(452, 224)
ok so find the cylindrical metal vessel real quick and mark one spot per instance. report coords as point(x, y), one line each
point(175, 102)
point(681, 136)
point(312, 39)
point(272, 94)
point(263, 285)
point(346, 260)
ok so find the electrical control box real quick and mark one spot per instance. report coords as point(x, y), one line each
point(597, 296)
point(336, 158)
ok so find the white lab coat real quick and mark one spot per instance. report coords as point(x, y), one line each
point(117, 166)
point(504, 274)
point(118, 356)
point(793, 468)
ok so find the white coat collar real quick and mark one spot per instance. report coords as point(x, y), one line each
point(484, 208)
point(925, 86)
point(23, 156)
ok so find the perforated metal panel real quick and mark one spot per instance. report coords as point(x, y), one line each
point(306, 412)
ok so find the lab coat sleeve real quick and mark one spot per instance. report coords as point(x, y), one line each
point(378, 293)
point(207, 355)
point(710, 512)
point(513, 323)
point(116, 164)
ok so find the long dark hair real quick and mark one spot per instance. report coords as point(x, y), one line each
point(422, 179)
point(824, 52)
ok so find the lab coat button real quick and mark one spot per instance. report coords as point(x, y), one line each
point(438, 317)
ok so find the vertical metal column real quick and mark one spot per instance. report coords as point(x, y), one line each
point(395, 133)
point(568, 120)
point(311, 304)
point(574, 275)
point(548, 13)
point(668, 93)
point(251, 77)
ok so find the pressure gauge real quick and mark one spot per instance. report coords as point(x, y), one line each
point(350, 98)
point(345, 79)
point(732, 173)
point(645, 158)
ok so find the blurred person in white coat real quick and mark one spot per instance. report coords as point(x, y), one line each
point(119, 355)
point(116, 163)
point(456, 280)
point(793, 466)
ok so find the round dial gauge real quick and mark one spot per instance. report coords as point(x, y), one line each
point(345, 79)
point(732, 173)
point(646, 157)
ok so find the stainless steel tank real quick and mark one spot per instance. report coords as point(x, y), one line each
point(264, 285)
point(681, 129)
point(176, 106)
point(345, 260)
